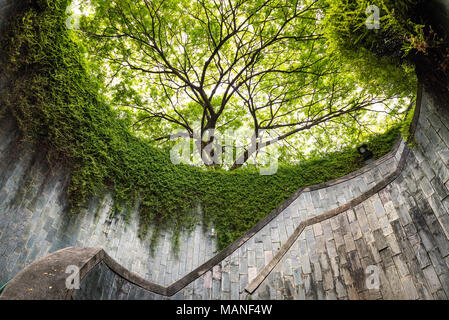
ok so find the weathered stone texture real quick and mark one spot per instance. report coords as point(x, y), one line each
point(34, 221)
point(400, 233)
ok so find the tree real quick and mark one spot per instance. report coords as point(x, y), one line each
point(224, 63)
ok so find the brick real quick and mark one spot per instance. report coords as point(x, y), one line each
point(427, 240)
point(394, 282)
point(385, 225)
point(317, 230)
point(268, 256)
point(444, 280)
point(338, 238)
point(409, 287)
point(393, 244)
point(432, 279)
point(251, 258)
point(235, 295)
point(334, 222)
point(305, 264)
point(252, 273)
point(225, 282)
point(373, 221)
point(440, 189)
point(361, 218)
point(438, 262)
point(331, 249)
point(380, 241)
point(317, 272)
point(351, 216)
point(356, 231)
point(387, 259)
point(440, 295)
point(421, 255)
point(349, 242)
point(374, 253)
point(207, 282)
point(378, 207)
point(234, 273)
point(362, 248)
point(404, 216)
point(401, 265)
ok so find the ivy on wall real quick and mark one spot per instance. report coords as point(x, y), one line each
point(56, 104)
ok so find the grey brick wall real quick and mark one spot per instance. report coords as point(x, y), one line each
point(402, 231)
point(34, 221)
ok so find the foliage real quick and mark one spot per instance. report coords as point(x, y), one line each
point(261, 65)
point(55, 99)
point(376, 56)
point(347, 24)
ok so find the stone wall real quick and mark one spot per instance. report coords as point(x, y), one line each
point(392, 216)
point(401, 229)
point(34, 221)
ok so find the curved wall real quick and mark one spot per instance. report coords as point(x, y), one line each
point(319, 244)
point(400, 227)
point(34, 219)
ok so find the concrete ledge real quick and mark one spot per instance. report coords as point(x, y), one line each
point(45, 279)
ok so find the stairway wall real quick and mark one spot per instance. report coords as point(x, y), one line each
point(401, 230)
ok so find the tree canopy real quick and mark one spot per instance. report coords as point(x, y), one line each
point(210, 67)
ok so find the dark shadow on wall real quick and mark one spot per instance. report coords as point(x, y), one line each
point(432, 66)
